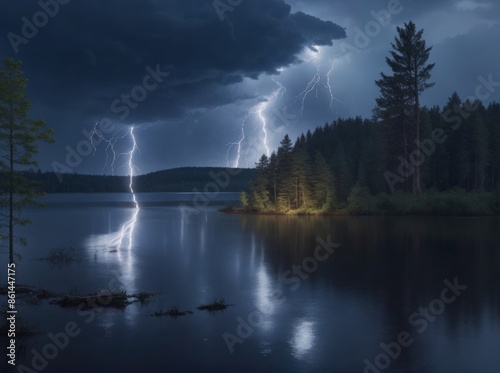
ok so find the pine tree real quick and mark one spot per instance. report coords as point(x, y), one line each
point(323, 184)
point(453, 127)
point(401, 91)
point(493, 125)
point(285, 189)
point(18, 138)
point(259, 199)
point(479, 146)
point(300, 170)
point(272, 176)
point(440, 172)
point(343, 177)
point(392, 111)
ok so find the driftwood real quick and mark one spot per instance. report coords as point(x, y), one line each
point(118, 299)
point(216, 305)
point(114, 300)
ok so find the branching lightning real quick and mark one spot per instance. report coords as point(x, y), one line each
point(309, 88)
point(259, 112)
point(110, 147)
point(238, 143)
point(322, 79)
point(319, 79)
point(127, 229)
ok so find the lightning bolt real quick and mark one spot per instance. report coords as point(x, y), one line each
point(259, 112)
point(309, 88)
point(315, 82)
point(322, 78)
point(251, 143)
point(238, 144)
point(263, 121)
point(110, 147)
point(328, 86)
point(280, 91)
point(127, 229)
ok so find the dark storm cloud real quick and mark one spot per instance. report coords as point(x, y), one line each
point(92, 52)
point(360, 9)
point(462, 32)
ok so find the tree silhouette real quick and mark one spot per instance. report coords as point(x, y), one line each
point(18, 138)
point(400, 93)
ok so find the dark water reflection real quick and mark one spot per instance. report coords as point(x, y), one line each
point(363, 295)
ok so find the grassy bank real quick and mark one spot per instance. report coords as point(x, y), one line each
point(456, 202)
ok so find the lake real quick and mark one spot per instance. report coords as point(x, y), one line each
point(308, 293)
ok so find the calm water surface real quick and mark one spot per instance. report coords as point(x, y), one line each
point(291, 313)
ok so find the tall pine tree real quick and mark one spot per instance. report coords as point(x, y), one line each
point(400, 93)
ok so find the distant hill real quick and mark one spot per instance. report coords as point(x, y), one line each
point(185, 179)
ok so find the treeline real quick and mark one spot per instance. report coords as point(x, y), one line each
point(185, 179)
point(345, 164)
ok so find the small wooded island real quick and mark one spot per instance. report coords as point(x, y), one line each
point(346, 168)
point(408, 159)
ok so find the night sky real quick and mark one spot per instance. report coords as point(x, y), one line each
point(241, 64)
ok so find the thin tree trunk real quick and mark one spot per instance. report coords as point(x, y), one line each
point(297, 191)
point(11, 193)
point(405, 147)
point(274, 187)
point(417, 190)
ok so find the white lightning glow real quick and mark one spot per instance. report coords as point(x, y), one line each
point(251, 144)
point(259, 112)
point(320, 78)
point(110, 147)
point(266, 113)
point(313, 53)
point(237, 144)
point(127, 229)
point(309, 88)
point(263, 121)
point(329, 85)
point(280, 91)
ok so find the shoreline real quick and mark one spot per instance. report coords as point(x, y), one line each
point(241, 211)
